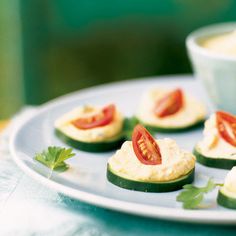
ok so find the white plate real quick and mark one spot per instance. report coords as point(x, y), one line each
point(86, 180)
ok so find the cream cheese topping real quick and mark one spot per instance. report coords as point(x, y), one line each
point(222, 44)
point(213, 145)
point(175, 163)
point(229, 187)
point(192, 111)
point(89, 135)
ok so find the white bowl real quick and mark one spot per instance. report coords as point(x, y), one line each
point(216, 71)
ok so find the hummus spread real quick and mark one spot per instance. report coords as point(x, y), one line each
point(224, 44)
point(192, 111)
point(175, 163)
point(89, 135)
point(229, 187)
point(212, 144)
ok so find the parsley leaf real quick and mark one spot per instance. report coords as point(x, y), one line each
point(129, 124)
point(54, 158)
point(192, 196)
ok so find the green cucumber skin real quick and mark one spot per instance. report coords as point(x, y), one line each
point(90, 147)
point(220, 163)
point(226, 201)
point(149, 187)
point(199, 124)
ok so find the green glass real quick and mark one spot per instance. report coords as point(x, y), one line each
point(11, 76)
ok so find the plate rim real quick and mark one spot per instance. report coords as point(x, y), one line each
point(174, 214)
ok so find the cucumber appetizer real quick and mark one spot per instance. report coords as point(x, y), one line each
point(227, 194)
point(92, 129)
point(170, 111)
point(149, 165)
point(218, 147)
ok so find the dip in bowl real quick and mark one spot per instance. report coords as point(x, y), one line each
point(212, 51)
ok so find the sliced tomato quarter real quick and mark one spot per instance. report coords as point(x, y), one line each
point(104, 117)
point(226, 125)
point(170, 104)
point(145, 147)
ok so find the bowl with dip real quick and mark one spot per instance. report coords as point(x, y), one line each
point(212, 51)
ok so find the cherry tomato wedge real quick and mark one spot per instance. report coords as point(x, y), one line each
point(104, 117)
point(170, 104)
point(226, 125)
point(145, 147)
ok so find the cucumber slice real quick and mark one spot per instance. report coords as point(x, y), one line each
point(173, 129)
point(226, 201)
point(104, 146)
point(149, 186)
point(221, 163)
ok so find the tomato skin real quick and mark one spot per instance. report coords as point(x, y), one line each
point(145, 147)
point(170, 104)
point(103, 118)
point(224, 120)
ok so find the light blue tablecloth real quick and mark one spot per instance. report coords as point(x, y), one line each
point(28, 208)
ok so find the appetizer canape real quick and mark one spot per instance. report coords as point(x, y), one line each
point(91, 128)
point(170, 110)
point(218, 147)
point(149, 165)
point(227, 193)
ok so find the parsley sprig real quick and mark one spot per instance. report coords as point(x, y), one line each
point(54, 158)
point(129, 124)
point(192, 196)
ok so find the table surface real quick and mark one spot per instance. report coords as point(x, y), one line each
point(28, 208)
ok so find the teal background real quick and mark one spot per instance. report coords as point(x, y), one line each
point(49, 48)
point(69, 44)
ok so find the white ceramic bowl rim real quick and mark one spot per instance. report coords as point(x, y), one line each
point(208, 31)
